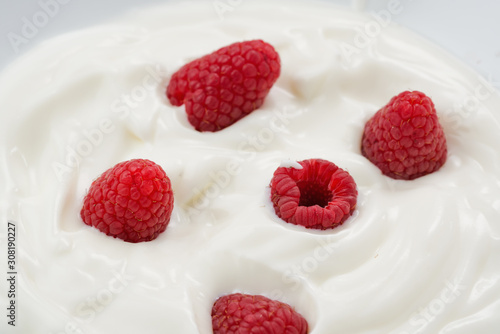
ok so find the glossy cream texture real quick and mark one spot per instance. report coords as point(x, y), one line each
point(417, 256)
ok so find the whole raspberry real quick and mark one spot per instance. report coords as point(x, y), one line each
point(319, 195)
point(404, 138)
point(132, 201)
point(245, 314)
point(226, 85)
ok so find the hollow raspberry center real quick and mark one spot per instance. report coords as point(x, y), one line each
point(314, 193)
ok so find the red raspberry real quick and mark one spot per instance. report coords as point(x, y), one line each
point(319, 196)
point(404, 138)
point(132, 201)
point(226, 85)
point(245, 314)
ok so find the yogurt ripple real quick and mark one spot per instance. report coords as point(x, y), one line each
point(417, 256)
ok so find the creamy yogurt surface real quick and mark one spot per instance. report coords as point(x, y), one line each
point(417, 256)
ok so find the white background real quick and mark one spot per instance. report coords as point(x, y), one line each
point(468, 29)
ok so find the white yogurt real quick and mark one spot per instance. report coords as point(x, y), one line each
point(417, 256)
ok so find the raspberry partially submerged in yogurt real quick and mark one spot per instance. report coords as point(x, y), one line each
point(221, 88)
point(241, 313)
point(132, 201)
point(320, 195)
point(404, 139)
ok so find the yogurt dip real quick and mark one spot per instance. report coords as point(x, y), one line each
point(417, 256)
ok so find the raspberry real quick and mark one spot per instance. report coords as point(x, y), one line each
point(241, 314)
point(404, 139)
point(320, 195)
point(132, 201)
point(226, 85)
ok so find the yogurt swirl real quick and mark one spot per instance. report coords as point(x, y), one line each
point(417, 256)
